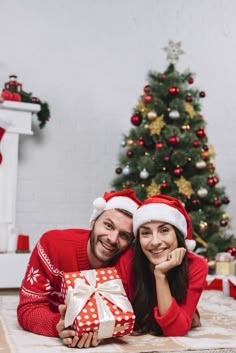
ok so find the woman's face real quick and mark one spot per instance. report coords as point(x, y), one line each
point(157, 240)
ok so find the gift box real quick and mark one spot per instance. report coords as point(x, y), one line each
point(96, 301)
point(225, 264)
point(226, 284)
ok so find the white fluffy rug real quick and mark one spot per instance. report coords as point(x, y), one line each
point(217, 334)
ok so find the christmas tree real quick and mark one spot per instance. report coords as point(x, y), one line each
point(167, 151)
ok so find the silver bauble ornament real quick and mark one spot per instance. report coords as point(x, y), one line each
point(174, 114)
point(126, 170)
point(201, 164)
point(202, 192)
point(123, 142)
point(144, 174)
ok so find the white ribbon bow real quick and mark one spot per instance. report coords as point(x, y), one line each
point(77, 297)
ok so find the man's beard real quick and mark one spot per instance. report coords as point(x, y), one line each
point(93, 242)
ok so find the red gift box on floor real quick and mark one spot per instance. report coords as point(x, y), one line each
point(96, 301)
point(226, 284)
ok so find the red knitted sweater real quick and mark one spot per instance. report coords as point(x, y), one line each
point(178, 318)
point(40, 294)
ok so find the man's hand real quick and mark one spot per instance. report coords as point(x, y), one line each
point(69, 337)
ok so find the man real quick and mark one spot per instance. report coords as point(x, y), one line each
point(69, 250)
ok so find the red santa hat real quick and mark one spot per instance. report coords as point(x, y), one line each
point(125, 199)
point(166, 209)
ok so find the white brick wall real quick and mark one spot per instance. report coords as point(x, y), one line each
point(89, 59)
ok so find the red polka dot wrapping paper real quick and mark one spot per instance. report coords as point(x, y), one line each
point(96, 301)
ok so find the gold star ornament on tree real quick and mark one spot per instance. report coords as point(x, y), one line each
point(153, 189)
point(156, 126)
point(189, 109)
point(184, 186)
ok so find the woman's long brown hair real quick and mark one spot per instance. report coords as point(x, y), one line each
point(145, 292)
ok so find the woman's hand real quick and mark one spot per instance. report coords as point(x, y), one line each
point(174, 258)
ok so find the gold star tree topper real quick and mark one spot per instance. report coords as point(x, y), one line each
point(173, 51)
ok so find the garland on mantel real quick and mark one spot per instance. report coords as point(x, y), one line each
point(13, 92)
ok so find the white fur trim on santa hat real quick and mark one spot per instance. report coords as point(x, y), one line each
point(121, 202)
point(159, 212)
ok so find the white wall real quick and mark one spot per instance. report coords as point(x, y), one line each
point(89, 60)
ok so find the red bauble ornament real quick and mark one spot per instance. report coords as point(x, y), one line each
point(141, 142)
point(205, 147)
point(190, 80)
point(128, 184)
point(158, 145)
point(189, 98)
point(196, 143)
point(211, 167)
point(166, 158)
point(146, 89)
point(195, 202)
point(178, 171)
point(232, 251)
point(202, 94)
point(164, 184)
point(201, 133)
point(148, 98)
point(226, 200)
point(34, 100)
point(217, 202)
point(136, 120)
point(174, 90)
point(118, 170)
point(129, 153)
point(211, 181)
point(223, 223)
point(216, 179)
point(173, 140)
point(7, 95)
point(163, 76)
point(16, 97)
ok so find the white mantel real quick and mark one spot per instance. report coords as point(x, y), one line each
point(20, 116)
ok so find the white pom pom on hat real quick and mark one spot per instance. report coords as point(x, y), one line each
point(167, 209)
point(124, 199)
point(99, 203)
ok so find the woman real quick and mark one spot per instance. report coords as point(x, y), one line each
point(163, 280)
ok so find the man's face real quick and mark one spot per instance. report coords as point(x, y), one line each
point(112, 233)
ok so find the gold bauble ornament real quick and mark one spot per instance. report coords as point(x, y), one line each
point(225, 216)
point(129, 142)
point(203, 226)
point(152, 115)
point(156, 126)
point(185, 127)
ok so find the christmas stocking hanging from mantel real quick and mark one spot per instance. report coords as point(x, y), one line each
point(4, 125)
